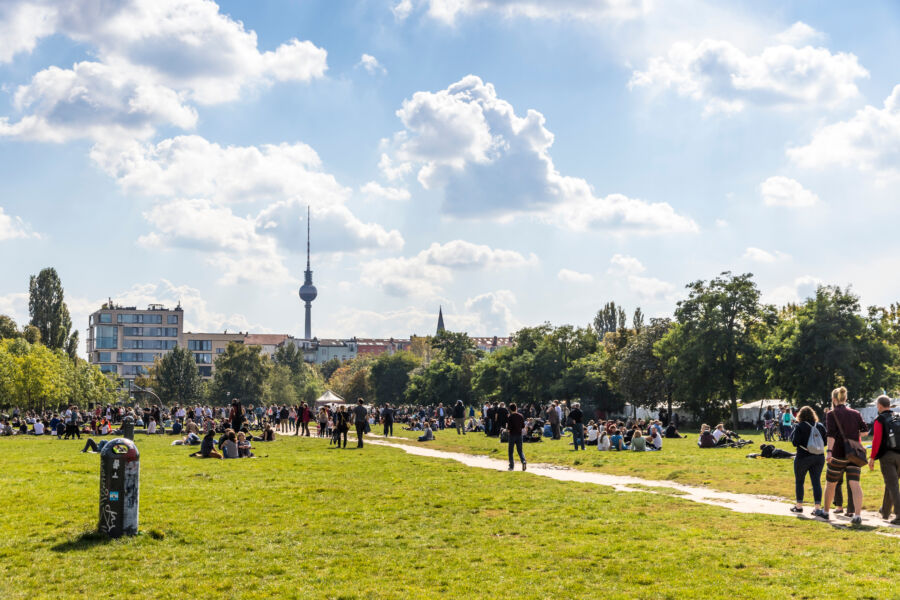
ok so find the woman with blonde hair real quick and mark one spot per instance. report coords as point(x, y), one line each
point(843, 426)
point(810, 457)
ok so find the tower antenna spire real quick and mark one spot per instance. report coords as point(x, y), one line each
point(308, 291)
point(307, 237)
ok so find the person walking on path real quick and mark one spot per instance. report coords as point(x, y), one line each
point(576, 418)
point(387, 419)
point(843, 425)
point(886, 450)
point(810, 457)
point(515, 423)
point(359, 419)
point(459, 417)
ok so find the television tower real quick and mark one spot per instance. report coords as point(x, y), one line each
point(308, 291)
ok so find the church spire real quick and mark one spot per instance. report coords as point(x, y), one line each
point(440, 326)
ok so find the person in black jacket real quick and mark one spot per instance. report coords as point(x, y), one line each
point(807, 462)
point(387, 419)
point(459, 417)
point(516, 425)
point(576, 419)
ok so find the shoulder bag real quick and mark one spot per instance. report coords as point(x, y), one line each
point(854, 450)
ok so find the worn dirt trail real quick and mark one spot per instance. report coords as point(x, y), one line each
point(743, 503)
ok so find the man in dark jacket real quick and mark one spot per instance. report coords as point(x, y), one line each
point(491, 424)
point(459, 417)
point(516, 423)
point(359, 419)
point(553, 419)
point(576, 418)
point(387, 419)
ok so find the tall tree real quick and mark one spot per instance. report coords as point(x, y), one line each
point(177, 377)
point(717, 345)
point(609, 319)
point(642, 375)
point(637, 320)
point(49, 312)
point(389, 375)
point(240, 374)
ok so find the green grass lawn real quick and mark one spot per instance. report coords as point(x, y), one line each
point(725, 469)
point(307, 521)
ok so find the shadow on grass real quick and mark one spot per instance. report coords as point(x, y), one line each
point(84, 541)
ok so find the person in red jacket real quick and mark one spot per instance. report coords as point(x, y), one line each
point(888, 460)
point(305, 418)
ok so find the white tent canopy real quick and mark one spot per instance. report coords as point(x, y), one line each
point(329, 398)
point(752, 411)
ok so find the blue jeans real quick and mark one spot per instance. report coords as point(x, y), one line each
point(515, 440)
point(578, 435)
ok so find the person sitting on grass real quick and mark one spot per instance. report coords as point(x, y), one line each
point(244, 447)
point(603, 443)
point(592, 434)
point(672, 432)
point(655, 441)
point(638, 443)
point(208, 447)
point(706, 438)
point(229, 445)
point(268, 434)
point(6, 429)
point(616, 441)
point(427, 434)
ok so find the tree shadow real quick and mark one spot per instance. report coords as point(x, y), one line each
point(84, 541)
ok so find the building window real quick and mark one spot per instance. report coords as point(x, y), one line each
point(134, 370)
point(109, 369)
point(220, 350)
point(199, 344)
point(172, 320)
point(105, 318)
point(205, 371)
point(146, 357)
point(149, 319)
point(104, 356)
point(203, 359)
point(106, 336)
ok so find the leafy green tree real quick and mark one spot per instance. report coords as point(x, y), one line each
point(31, 334)
point(240, 374)
point(825, 343)
point(8, 328)
point(440, 381)
point(177, 378)
point(328, 367)
point(642, 375)
point(715, 351)
point(351, 380)
point(455, 346)
point(49, 312)
point(637, 320)
point(389, 376)
point(280, 388)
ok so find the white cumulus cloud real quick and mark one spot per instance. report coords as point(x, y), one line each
point(570, 276)
point(628, 268)
point(868, 141)
point(764, 256)
point(488, 161)
point(12, 228)
point(373, 189)
point(726, 79)
point(371, 64)
point(447, 11)
point(784, 191)
point(800, 34)
point(427, 272)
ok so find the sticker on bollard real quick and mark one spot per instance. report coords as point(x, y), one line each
point(119, 488)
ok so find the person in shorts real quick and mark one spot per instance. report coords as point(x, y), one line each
point(852, 424)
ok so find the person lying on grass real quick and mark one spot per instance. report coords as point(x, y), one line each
point(208, 447)
point(191, 439)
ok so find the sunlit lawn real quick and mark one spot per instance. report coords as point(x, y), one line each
point(682, 460)
point(307, 521)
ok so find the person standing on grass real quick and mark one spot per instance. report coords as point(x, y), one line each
point(341, 425)
point(359, 419)
point(808, 459)
point(576, 418)
point(459, 417)
point(553, 419)
point(387, 419)
point(848, 421)
point(515, 424)
point(305, 418)
point(888, 458)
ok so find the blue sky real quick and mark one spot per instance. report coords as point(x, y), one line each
point(515, 161)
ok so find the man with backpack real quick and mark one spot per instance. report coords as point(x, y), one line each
point(886, 449)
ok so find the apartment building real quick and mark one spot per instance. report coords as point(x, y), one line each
point(207, 346)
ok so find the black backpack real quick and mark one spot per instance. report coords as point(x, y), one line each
point(891, 435)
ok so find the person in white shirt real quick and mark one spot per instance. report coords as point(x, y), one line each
point(718, 432)
point(38, 427)
point(603, 443)
point(151, 427)
point(592, 434)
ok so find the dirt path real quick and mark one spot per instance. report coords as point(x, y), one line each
point(743, 503)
